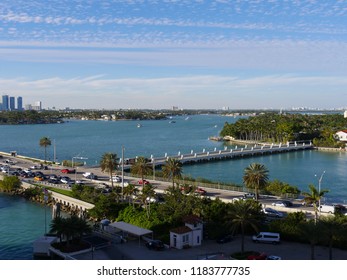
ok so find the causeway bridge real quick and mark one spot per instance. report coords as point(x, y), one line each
point(230, 153)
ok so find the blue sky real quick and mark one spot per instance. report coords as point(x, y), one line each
point(190, 54)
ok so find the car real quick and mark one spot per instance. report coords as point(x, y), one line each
point(68, 171)
point(53, 181)
point(257, 256)
point(65, 180)
point(225, 239)
point(35, 167)
point(86, 174)
point(272, 212)
point(144, 182)
point(116, 178)
point(157, 245)
point(273, 257)
point(200, 191)
point(38, 178)
point(249, 196)
point(90, 175)
point(282, 203)
point(53, 176)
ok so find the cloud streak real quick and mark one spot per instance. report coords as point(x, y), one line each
point(216, 90)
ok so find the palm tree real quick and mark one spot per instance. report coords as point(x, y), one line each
point(147, 194)
point(332, 228)
point(141, 168)
point(45, 142)
point(130, 191)
point(311, 231)
point(172, 169)
point(313, 197)
point(109, 163)
point(255, 177)
point(243, 214)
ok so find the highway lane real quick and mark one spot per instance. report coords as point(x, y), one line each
point(160, 186)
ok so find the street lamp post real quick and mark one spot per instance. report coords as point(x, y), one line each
point(319, 186)
point(73, 165)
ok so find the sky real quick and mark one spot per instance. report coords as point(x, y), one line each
point(136, 54)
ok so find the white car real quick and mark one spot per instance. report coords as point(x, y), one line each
point(116, 178)
point(283, 203)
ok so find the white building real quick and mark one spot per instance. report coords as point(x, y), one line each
point(189, 235)
point(341, 135)
point(345, 114)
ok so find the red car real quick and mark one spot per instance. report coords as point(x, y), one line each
point(145, 182)
point(68, 171)
point(200, 190)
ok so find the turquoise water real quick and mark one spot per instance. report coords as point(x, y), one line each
point(22, 222)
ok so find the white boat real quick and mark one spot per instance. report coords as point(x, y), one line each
point(139, 125)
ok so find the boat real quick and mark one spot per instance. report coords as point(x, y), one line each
point(139, 125)
point(172, 121)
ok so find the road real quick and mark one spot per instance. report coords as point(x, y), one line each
point(160, 186)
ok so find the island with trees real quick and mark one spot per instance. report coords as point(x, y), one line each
point(280, 128)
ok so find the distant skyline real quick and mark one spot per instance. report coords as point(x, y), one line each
point(153, 54)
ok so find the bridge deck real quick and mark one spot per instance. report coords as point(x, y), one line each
point(254, 150)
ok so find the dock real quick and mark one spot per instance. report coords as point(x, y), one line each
point(238, 152)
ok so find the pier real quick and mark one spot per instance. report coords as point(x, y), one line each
point(237, 152)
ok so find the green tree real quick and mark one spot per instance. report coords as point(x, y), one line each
point(313, 197)
point(256, 177)
point(242, 215)
point(131, 191)
point(70, 228)
point(141, 168)
point(10, 183)
point(109, 164)
point(172, 169)
point(311, 231)
point(45, 142)
point(332, 228)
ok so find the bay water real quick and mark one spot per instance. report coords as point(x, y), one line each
point(181, 134)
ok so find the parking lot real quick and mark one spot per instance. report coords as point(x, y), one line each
point(210, 249)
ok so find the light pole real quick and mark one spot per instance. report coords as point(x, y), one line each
point(73, 165)
point(319, 185)
point(122, 172)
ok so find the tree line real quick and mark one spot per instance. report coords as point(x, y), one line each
point(277, 128)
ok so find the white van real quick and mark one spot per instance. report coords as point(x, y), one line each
point(267, 237)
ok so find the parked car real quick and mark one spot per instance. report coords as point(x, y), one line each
point(283, 203)
point(68, 171)
point(272, 212)
point(273, 257)
point(257, 256)
point(225, 239)
point(155, 245)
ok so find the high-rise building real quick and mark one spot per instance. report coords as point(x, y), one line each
point(19, 103)
point(12, 105)
point(37, 106)
point(5, 103)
